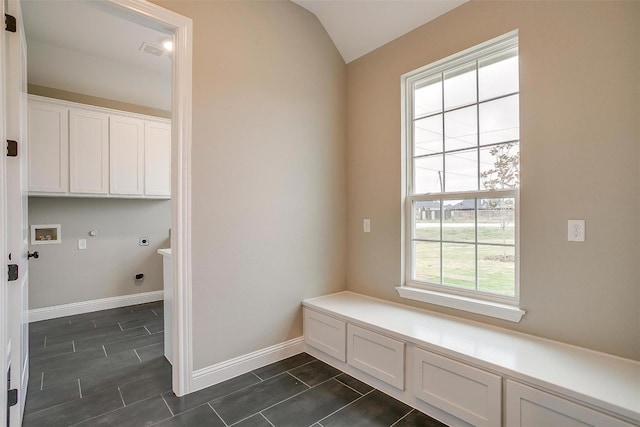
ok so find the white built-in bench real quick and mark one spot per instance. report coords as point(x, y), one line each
point(467, 373)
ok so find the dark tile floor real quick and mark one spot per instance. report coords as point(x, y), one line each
point(107, 369)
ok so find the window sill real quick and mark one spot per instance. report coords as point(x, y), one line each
point(485, 308)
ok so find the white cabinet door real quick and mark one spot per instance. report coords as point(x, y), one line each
point(126, 155)
point(88, 152)
point(466, 392)
point(48, 139)
point(325, 333)
point(377, 355)
point(529, 407)
point(157, 165)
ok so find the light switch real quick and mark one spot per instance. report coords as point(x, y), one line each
point(82, 244)
point(367, 225)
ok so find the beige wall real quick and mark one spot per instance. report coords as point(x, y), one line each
point(63, 274)
point(580, 138)
point(93, 100)
point(268, 172)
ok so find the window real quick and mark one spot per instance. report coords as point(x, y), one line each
point(462, 164)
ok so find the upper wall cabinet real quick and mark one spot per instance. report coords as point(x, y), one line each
point(88, 152)
point(126, 155)
point(48, 137)
point(84, 151)
point(157, 161)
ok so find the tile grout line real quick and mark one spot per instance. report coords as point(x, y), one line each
point(45, 341)
point(340, 409)
point(303, 381)
point(347, 385)
point(105, 351)
point(73, 345)
point(79, 388)
point(42, 381)
point(136, 352)
point(402, 417)
point(168, 407)
point(145, 328)
point(277, 403)
point(216, 412)
point(270, 423)
point(240, 389)
point(284, 400)
point(121, 398)
point(257, 376)
point(287, 370)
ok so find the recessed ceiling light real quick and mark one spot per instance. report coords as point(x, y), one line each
point(151, 49)
point(168, 45)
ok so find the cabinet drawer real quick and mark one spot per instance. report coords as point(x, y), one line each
point(376, 355)
point(469, 393)
point(529, 407)
point(325, 333)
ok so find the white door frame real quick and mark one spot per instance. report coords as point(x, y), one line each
point(182, 29)
point(4, 331)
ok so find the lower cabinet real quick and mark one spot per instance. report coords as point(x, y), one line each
point(325, 333)
point(377, 355)
point(530, 407)
point(466, 392)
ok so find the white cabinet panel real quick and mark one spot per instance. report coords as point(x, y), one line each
point(126, 155)
point(88, 152)
point(377, 355)
point(529, 407)
point(471, 394)
point(157, 168)
point(48, 139)
point(325, 333)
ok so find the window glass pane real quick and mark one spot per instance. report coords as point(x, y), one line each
point(459, 265)
point(461, 171)
point(461, 128)
point(500, 167)
point(428, 174)
point(427, 220)
point(500, 120)
point(460, 86)
point(459, 221)
point(426, 261)
point(427, 135)
point(496, 221)
point(427, 96)
point(464, 131)
point(498, 74)
point(496, 269)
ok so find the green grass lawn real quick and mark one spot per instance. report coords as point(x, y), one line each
point(457, 232)
point(496, 264)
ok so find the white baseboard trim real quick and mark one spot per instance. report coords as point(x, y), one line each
point(56, 311)
point(214, 374)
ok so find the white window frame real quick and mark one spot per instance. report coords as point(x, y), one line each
point(493, 305)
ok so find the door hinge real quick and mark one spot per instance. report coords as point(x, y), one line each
point(13, 272)
point(12, 397)
point(12, 148)
point(10, 23)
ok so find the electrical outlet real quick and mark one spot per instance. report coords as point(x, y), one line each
point(366, 224)
point(144, 241)
point(82, 244)
point(576, 231)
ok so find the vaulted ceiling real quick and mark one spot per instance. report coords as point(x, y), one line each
point(79, 46)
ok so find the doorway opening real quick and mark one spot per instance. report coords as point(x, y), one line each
point(178, 29)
